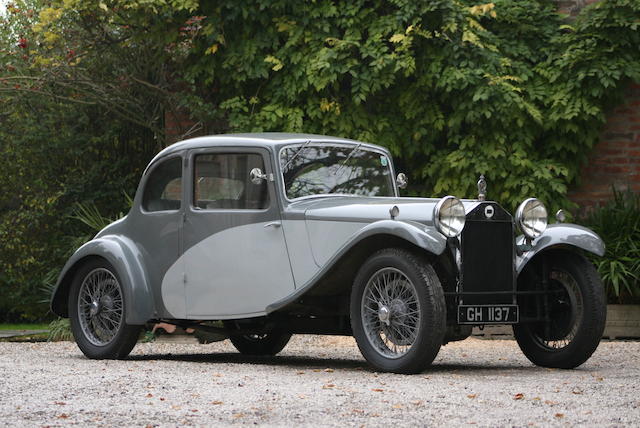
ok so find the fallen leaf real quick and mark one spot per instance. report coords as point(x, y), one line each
point(194, 410)
point(60, 403)
point(217, 375)
point(216, 402)
point(328, 386)
point(559, 415)
point(300, 373)
point(518, 396)
point(577, 391)
point(417, 402)
point(397, 406)
point(550, 403)
point(149, 395)
point(537, 398)
point(302, 396)
point(472, 395)
point(599, 379)
point(63, 416)
point(238, 415)
point(377, 389)
point(162, 398)
point(176, 407)
point(328, 370)
point(360, 411)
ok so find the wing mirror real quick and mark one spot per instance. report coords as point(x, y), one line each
point(402, 180)
point(257, 176)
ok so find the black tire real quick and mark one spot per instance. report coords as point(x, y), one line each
point(91, 330)
point(261, 344)
point(417, 310)
point(577, 310)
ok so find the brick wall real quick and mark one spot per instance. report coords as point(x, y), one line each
point(615, 160)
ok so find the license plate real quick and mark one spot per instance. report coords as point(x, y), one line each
point(488, 314)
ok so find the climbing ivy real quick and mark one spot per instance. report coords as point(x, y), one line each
point(455, 89)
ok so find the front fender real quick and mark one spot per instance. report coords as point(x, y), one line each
point(416, 233)
point(124, 256)
point(561, 235)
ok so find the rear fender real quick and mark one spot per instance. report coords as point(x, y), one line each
point(124, 256)
point(561, 235)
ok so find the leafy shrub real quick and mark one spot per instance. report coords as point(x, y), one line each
point(618, 224)
point(60, 330)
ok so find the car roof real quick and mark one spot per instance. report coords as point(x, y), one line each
point(257, 139)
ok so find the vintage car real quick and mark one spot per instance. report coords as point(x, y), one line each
point(256, 237)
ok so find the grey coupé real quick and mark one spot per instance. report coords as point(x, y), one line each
point(257, 237)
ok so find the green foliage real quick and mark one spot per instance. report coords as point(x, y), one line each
point(454, 89)
point(507, 89)
point(55, 153)
point(618, 224)
point(60, 330)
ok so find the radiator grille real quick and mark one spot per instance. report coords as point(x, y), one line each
point(488, 256)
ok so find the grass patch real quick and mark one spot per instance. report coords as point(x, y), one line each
point(24, 326)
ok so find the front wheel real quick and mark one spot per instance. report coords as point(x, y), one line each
point(398, 311)
point(573, 308)
point(97, 312)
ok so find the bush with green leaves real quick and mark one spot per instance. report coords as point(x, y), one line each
point(618, 224)
point(454, 89)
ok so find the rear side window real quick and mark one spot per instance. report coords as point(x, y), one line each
point(163, 191)
point(222, 181)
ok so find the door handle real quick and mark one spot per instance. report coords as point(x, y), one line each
point(273, 224)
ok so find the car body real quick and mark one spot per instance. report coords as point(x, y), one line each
point(260, 236)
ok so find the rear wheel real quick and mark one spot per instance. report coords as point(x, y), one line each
point(398, 311)
point(575, 306)
point(97, 312)
point(261, 344)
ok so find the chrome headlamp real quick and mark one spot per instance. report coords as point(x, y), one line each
point(449, 216)
point(531, 217)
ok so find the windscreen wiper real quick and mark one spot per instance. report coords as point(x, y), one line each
point(295, 155)
point(351, 153)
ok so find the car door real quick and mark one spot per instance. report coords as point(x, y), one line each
point(155, 227)
point(235, 257)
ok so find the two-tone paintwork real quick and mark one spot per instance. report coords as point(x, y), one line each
point(205, 264)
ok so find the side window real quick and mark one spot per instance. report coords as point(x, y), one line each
point(221, 181)
point(163, 190)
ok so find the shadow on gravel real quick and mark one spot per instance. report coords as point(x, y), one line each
point(233, 358)
point(311, 362)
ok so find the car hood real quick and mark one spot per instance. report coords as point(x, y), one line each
point(369, 209)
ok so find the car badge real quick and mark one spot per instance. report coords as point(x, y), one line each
point(489, 211)
point(482, 188)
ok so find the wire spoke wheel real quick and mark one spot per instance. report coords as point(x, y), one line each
point(397, 311)
point(391, 312)
point(100, 306)
point(567, 312)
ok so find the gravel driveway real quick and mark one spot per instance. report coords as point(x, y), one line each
point(315, 381)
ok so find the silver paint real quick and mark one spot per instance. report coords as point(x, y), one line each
point(561, 235)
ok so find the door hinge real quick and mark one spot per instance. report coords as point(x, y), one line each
point(184, 278)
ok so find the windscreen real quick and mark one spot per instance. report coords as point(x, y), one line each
point(323, 169)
